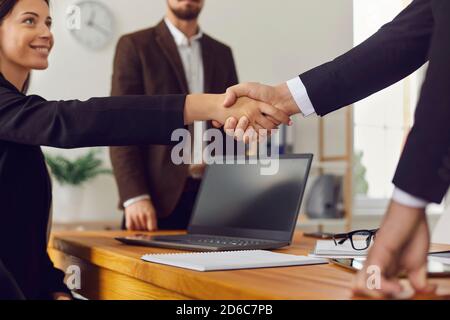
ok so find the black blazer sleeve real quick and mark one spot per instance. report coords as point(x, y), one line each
point(128, 162)
point(111, 121)
point(395, 51)
point(424, 168)
point(9, 289)
point(419, 33)
point(53, 279)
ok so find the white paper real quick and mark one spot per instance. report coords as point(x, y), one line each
point(440, 232)
point(329, 248)
point(439, 259)
point(231, 260)
point(330, 256)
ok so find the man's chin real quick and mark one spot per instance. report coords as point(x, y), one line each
point(191, 13)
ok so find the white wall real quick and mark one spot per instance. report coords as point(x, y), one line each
point(272, 40)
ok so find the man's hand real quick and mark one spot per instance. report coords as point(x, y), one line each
point(401, 246)
point(278, 97)
point(256, 114)
point(62, 296)
point(141, 216)
point(202, 107)
point(197, 170)
point(259, 114)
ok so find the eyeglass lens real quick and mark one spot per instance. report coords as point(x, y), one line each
point(361, 240)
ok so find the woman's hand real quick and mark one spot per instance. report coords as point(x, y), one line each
point(211, 107)
point(260, 115)
point(277, 96)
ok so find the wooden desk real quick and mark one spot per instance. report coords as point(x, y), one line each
point(111, 270)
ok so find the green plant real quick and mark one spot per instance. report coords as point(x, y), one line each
point(78, 171)
point(361, 186)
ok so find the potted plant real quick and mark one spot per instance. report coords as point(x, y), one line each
point(71, 176)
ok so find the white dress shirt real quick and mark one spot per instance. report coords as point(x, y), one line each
point(190, 51)
point(300, 94)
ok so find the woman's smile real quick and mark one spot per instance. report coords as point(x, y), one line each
point(42, 50)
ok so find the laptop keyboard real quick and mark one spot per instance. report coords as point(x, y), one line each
point(224, 241)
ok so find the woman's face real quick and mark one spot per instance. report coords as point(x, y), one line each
point(25, 36)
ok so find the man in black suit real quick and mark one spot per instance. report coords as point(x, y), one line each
point(419, 34)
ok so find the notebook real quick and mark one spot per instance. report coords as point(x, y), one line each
point(328, 249)
point(231, 260)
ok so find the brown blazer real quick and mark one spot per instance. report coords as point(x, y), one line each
point(147, 62)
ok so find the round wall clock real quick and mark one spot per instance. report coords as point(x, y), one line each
point(91, 23)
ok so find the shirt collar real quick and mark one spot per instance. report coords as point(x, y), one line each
point(179, 37)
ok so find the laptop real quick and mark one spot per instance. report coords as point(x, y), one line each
point(238, 208)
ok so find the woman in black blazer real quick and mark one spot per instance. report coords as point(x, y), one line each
point(28, 122)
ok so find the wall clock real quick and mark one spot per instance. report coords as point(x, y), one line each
point(91, 23)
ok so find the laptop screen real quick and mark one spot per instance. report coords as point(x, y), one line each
point(238, 200)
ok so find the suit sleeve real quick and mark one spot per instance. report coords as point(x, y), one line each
point(127, 75)
point(53, 279)
point(9, 289)
point(424, 167)
point(128, 161)
point(395, 51)
point(112, 121)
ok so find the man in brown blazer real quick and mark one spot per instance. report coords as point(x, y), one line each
point(174, 57)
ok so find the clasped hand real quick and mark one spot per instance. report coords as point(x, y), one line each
point(266, 108)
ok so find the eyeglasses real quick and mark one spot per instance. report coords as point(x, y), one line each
point(360, 239)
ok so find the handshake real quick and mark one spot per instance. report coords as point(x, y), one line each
point(246, 111)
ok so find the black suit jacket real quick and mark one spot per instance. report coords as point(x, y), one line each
point(26, 123)
point(419, 34)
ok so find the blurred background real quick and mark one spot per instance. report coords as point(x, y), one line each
point(272, 41)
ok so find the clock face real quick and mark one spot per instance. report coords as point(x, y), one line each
point(92, 24)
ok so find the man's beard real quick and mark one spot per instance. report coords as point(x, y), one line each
point(187, 14)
